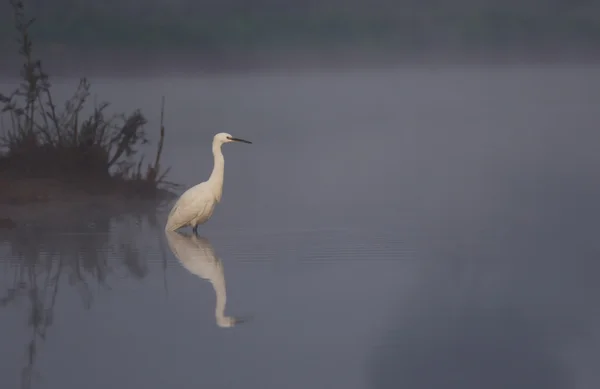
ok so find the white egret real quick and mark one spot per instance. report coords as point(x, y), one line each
point(197, 255)
point(196, 205)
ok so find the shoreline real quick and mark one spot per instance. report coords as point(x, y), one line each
point(18, 191)
point(29, 199)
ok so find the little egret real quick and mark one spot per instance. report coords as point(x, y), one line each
point(196, 205)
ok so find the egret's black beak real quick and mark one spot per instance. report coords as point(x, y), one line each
point(240, 140)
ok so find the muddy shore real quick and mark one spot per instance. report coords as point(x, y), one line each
point(25, 199)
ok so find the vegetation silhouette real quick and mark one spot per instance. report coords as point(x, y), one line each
point(47, 152)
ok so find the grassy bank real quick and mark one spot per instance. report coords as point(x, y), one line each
point(51, 150)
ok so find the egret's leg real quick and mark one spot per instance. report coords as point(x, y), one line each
point(195, 229)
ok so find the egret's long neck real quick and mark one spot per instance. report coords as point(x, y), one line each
point(216, 177)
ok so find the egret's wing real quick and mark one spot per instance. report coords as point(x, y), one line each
point(192, 203)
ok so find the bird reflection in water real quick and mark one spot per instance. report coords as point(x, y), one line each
point(198, 256)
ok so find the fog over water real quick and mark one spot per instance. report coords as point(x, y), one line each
point(409, 227)
point(419, 207)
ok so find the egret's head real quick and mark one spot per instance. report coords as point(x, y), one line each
point(224, 137)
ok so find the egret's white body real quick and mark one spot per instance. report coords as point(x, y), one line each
point(197, 204)
point(197, 255)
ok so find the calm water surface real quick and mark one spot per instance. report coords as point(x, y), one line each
point(402, 229)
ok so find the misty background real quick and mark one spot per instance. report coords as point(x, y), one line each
point(403, 227)
point(238, 33)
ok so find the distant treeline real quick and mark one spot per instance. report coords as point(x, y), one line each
point(231, 24)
